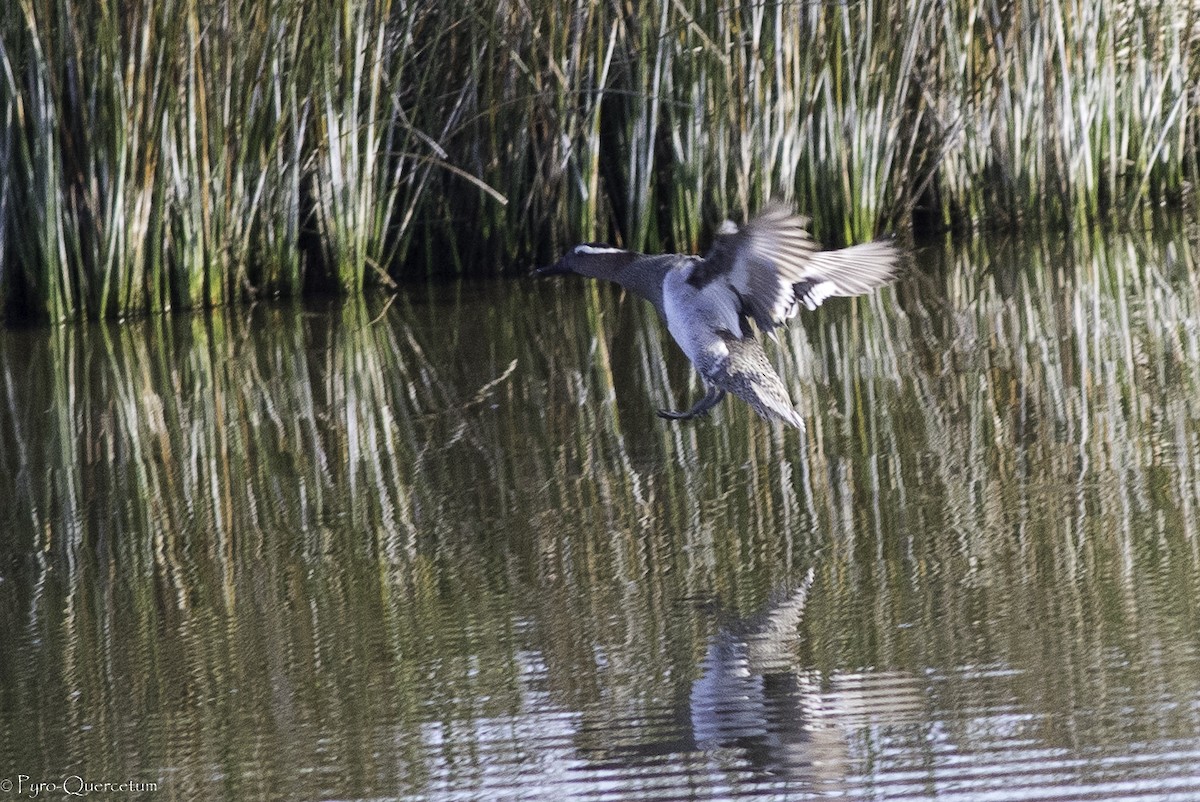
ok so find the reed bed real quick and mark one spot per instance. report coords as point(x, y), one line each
point(195, 152)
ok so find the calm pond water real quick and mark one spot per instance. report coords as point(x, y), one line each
point(439, 546)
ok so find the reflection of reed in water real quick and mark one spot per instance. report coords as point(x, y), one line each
point(1002, 470)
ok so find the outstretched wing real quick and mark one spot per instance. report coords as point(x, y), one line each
point(774, 266)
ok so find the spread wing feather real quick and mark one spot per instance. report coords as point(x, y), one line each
point(774, 266)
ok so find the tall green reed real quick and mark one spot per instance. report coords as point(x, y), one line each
point(234, 140)
point(355, 190)
point(1066, 111)
point(195, 152)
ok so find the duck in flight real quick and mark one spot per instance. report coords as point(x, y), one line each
point(763, 272)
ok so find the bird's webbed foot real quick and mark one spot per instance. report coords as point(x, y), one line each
point(710, 400)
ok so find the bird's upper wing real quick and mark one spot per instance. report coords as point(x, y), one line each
point(773, 265)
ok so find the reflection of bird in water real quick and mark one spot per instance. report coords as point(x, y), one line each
point(763, 272)
point(751, 698)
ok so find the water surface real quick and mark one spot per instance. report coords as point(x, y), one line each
point(439, 546)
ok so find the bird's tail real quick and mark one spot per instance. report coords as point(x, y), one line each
point(748, 374)
point(773, 403)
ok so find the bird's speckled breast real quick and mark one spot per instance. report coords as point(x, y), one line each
point(695, 316)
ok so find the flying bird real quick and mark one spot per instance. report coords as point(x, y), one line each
point(761, 273)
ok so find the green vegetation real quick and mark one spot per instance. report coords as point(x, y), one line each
point(180, 153)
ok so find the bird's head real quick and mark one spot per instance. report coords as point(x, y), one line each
point(592, 259)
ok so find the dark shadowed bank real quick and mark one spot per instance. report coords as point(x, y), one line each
point(180, 153)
